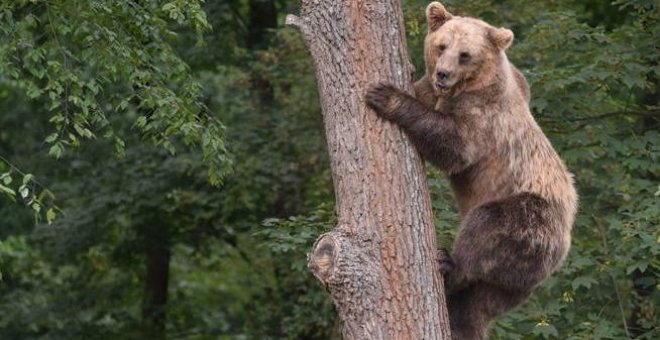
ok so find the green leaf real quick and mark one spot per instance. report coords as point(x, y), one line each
point(545, 330)
point(6, 178)
point(639, 265)
point(24, 191)
point(583, 281)
point(50, 215)
point(27, 178)
point(8, 191)
point(51, 138)
point(55, 150)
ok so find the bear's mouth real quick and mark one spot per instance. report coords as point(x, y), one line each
point(442, 88)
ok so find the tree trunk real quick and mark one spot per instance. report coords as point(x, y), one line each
point(379, 263)
point(263, 19)
point(156, 281)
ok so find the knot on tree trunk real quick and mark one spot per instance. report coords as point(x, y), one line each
point(353, 273)
point(322, 258)
point(336, 259)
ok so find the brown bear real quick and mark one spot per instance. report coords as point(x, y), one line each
point(471, 118)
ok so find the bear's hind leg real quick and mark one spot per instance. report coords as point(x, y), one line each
point(512, 243)
point(471, 309)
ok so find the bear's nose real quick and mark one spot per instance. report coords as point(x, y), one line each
point(443, 74)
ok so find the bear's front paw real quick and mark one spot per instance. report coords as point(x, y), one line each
point(384, 99)
point(446, 263)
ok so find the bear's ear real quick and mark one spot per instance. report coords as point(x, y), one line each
point(436, 15)
point(500, 37)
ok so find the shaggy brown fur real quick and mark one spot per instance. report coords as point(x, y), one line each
point(471, 118)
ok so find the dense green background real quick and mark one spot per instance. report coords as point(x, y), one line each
point(150, 144)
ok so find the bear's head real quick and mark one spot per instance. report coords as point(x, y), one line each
point(462, 53)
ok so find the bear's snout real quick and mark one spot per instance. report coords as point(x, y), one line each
point(443, 74)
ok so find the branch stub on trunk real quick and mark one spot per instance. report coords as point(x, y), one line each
point(321, 260)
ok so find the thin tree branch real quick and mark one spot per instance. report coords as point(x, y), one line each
point(616, 287)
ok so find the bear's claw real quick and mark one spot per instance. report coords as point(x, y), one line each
point(379, 98)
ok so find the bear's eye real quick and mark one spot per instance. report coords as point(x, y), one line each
point(442, 47)
point(464, 57)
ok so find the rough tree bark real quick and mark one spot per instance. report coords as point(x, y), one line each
point(379, 263)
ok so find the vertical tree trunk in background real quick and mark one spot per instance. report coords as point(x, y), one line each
point(158, 256)
point(263, 18)
point(379, 263)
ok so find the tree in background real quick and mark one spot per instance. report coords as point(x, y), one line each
point(117, 210)
point(237, 263)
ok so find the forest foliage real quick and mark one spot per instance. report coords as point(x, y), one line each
point(163, 170)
